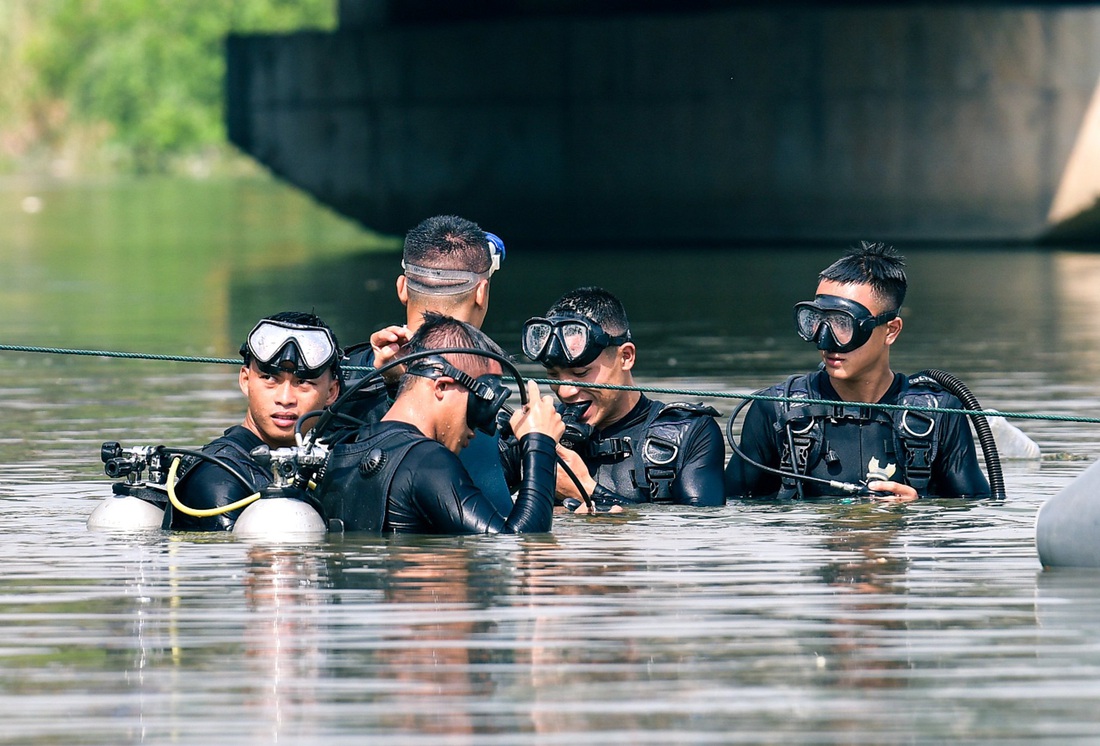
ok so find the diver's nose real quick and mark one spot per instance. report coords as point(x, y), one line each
point(565, 391)
point(285, 392)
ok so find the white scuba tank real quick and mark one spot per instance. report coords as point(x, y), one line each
point(280, 519)
point(125, 513)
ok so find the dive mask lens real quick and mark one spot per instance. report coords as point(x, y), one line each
point(842, 326)
point(314, 346)
point(536, 335)
point(575, 339)
point(807, 320)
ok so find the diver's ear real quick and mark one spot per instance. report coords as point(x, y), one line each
point(333, 392)
point(403, 289)
point(242, 379)
point(481, 294)
point(893, 329)
point(439, 386)
point(627, 353)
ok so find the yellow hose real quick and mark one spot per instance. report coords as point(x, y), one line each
point(203, 512)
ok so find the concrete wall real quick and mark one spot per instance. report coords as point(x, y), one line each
point(794, 124)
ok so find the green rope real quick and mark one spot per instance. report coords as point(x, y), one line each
point(578, 384)
point(124, 355)
point(876, 405)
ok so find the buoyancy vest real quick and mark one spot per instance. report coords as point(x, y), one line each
point(233, 453)
point(654, 464)
point(356, 483)
point(911, 436)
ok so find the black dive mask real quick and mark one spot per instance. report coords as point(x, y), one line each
point(577, 433)
point(567, 341)
point(487, 393)
point(283, 347)
point(837, 324)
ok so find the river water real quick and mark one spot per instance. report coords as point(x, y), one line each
point(791, 623)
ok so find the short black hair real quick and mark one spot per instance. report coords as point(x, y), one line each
point(439, 332)
point(448, 242)
point(595, 304)
point(874, 264)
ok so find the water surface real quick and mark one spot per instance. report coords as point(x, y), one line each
point(792, 623)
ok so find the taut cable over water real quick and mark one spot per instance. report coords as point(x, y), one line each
point(706, 393)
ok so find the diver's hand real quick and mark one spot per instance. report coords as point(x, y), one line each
point(899, 493)
point(539, 415)
point(386, 344)
point(565, 487)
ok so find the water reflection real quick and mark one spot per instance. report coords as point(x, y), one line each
point(283, 637)
point(869, 571)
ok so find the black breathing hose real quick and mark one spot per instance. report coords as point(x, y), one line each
point(333, 411)
point(981, 426)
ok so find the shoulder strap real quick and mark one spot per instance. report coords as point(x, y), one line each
point(916, 431)
point(661, 457)
point(799, 432)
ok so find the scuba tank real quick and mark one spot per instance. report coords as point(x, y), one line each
point(135, 505)
point(125, 512)
point(285, 511)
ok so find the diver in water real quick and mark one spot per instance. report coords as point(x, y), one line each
point(402, 474)
point(624, 447)
point(900, 454)
point(291, 367)
point(447, 264)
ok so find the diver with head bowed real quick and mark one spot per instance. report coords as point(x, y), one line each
point(403, 474)
point(898, 454)
point(291, 367)
point(624, 447)
point(446, 263)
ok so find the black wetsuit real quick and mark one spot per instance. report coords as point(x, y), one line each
point(395, 479)
point(480, 457)
point(844, 443)
point(623, 458)
point(204, 485)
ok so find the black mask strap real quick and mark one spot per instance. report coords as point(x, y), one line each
point(487, 393)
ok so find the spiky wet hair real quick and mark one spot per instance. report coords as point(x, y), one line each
point(872, 263)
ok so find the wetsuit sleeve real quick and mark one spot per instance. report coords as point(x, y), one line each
point(433, 493)
point(511, 457)
point(955, 472)
point(758, 441)
point(700, 479)
point(206, 486)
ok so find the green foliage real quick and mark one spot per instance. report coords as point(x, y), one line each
point(142, 76)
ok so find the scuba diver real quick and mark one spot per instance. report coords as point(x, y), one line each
point(447, 264)
point(897, 454)
point(624, 447)
point(291, 367)
point(402, 473)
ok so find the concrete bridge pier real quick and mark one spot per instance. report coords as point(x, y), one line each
point(719, 124)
